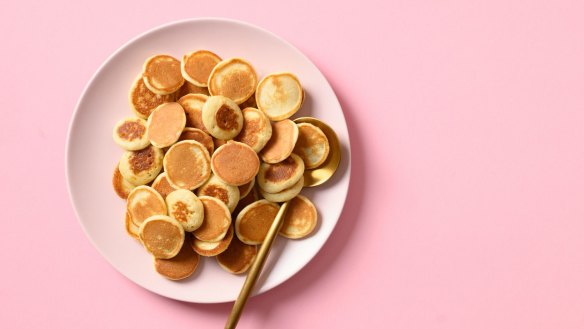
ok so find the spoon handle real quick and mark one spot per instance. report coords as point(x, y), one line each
point(256, 268)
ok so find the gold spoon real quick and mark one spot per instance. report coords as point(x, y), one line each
point(312, 177)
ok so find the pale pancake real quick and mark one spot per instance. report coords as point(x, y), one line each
point(254, 221)
point(193, 106)
point(184, 206)
point(222, 117)
point(143, 101)
point(238, 257)
point(279, 95)
point(162, 236)
point(180, 266)
point(246, 188)
point(199, 136)
point(132, 229)
point(215, 187)
point(256, 130)
point(209, 249)
point(130, 134)
point(300, 219)
point(187, 165)
point(162, 186)
point(312, 145)
point(161, 74)
point(165, 124)
point(245, 201)
point(284, 195)
point(274, 178)
point(144, 202)
point(141, 167)
point(235, 163)
point(217, 220)
point(197, 66)
point(121, 186)
point(234, 78)
point(282, 142)
point(189, 88)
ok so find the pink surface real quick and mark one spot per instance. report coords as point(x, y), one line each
point(465, 208)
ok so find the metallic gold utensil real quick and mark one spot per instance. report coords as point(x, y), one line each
point(312, 177)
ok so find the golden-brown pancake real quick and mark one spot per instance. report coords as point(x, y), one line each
point(254, 221)
point(245, 201)
point(121, 186)
point(222, 117)
point(217, 220)
point(161, 74)
point(189, 88)
point(180, 266)
point(199, 136)
point(143, 101)
point(132, 229)
point(209, 249)
point(246, 188)
point(234, 78)
point(276, 177)
point(184, 206)
point(193, 106)
point(282, 142)
point(141, 167)
point(130, 134)
point(187, 165)
point(215, 187)
point(197, 66)
point(162, 236)
point(300, 219)
point(312, 145)
point(162, 186)
point(238, 257)
point(144, 202)
point(286, 194)
point(165, 124)
point(279, 95)
point(235, 163)
point(256, 130)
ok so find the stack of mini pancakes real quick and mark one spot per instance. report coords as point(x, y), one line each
point(205, 131)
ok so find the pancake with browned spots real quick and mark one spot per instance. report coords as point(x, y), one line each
point(130, 134)
point(162, 186)
point(143, 101)
point(234, 78)
point(222, 117)
point(141, 167)
point(276, 177)
point(215, 187)
point(121, 186)
point(184, 206)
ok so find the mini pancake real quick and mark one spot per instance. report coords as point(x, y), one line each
point(234, 78)
point(141, 167)
point(285, 195)
point(300, 219)
point(235, 163)
point(144, 202)
point(189, 88)
point(238, 257)
point(130, 134)
point(254, 221)
point(162, 236)
point(222, 117)
point(246, 188)
point(312, 145)
point(215, 187)
point(180, 266)
point(184, 206)
point(245, 201)
point(274, 178)
point(162, 186)
point(121, 186)
point(193, 106)
point(161, 74)
point(209, 249)
point(199, 136)
point(187, 165)
point(256, 130)
point(165, 124)
point(197, 66)
point(279, 95)
point(143, 101)
point(282, 142)
point(217, 220)
point(132, 229)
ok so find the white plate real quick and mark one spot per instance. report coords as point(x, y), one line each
point(92, 154)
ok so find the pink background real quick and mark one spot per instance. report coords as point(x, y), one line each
point(466, 203)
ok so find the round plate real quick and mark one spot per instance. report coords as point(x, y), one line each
point(92, 154)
